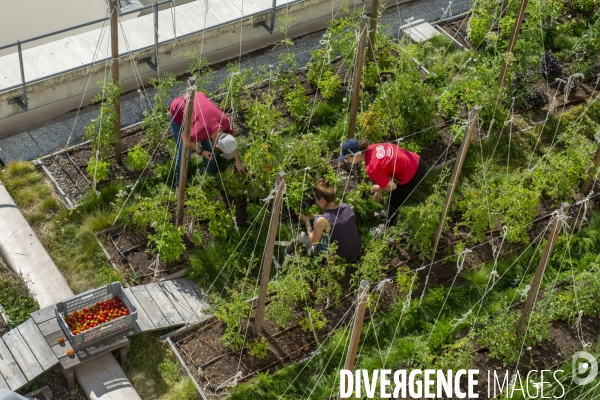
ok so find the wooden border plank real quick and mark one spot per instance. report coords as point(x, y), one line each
point(3, 383)
point(191, 295)
point(166, 306)
point(145, 301)
point(37, 344)
point(22, 354)
point(179, 301)
point(43, 315)
point(143, 321)
point(9, 368)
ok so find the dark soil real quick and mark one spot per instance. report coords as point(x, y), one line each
point(563, 343)
point(69, 168)
point(211, 365)
point(458, 30)
point(57, 382)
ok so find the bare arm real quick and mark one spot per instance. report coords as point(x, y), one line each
point(321, 225)
point(377, 190)
point(238, 162)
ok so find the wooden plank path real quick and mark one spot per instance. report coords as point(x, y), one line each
point(32, 348)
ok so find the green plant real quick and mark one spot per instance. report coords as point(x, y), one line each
point(313, 321)
point(101, 131)
point(98, 169)
point(167, 241)
point(291, 289)
point(137, 158)
point(232, 313)
point(199, 67)
point(297, 103)
point(262, 116)
point(258, 348)
point(156, 122)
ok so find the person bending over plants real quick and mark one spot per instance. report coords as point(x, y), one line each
point(384, 163)
point(337, 224)
point(209, 126)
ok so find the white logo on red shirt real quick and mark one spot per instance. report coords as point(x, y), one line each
point(379, 152)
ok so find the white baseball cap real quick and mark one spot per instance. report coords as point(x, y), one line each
point(228, 145)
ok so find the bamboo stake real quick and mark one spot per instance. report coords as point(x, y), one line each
point(460, 159)
point(373, 30)
point(114, 39)
point(185, 151)
point(539, 272)
point(512, 42)
point(360, 59)
point(587, 185)
point(363, 295)
point(266, 268)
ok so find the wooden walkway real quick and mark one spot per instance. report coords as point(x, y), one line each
point(32, 347)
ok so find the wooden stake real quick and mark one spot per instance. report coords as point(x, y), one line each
point(266, 268)
point(587, 185)
point(363, 295)
point(185, 151)
point(114, 41)
point(360, 59)
point(504, 7)
point(460, 160)
point(539, 272)
point(373, 30)
point(513, 40)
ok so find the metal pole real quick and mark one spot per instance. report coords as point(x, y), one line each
point(539, 272)
point(25, 101)
point(363, 295)
point(513, 40)
point(273, 16)
point(270, 244)
point(373, 30)
point(114, 39)
point(360, 59)
point(185, 151)
point(462, 153)
point(155, 9)
point(587, 185)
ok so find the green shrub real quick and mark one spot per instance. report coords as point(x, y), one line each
point(137, 158)
point(98, 169)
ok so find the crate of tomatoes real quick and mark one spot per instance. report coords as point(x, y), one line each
point(95, 315)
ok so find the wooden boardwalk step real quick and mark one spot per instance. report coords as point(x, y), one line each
point(152, 310)
point(144, 322)
point(178, 300)
point(195, 299)
point(9, 369)
point(22, 354)
point(37, 344)
point(165, 305)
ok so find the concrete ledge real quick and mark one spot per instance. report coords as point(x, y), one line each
point(25, 255)
point(220, 41)
point(103, 379)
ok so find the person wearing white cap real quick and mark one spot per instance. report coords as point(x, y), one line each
point(210, 128)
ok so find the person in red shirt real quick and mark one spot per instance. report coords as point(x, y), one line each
point(392, 168)
point(209, 126)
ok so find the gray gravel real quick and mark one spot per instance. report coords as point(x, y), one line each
point(35, 143)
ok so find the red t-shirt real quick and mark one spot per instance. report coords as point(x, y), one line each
point(207, 118)
point(386, 160)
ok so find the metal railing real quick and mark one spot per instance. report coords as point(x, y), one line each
point(23, 101)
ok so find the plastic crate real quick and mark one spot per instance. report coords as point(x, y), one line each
point(102, 331)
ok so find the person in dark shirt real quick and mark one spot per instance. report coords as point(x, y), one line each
point(336, 224)
point(384, 163)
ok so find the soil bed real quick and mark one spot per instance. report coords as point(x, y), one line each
point(211, 365)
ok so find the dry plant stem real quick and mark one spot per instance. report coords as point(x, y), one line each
point(79, 170)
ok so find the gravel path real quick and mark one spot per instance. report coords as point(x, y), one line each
point(47, 139)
